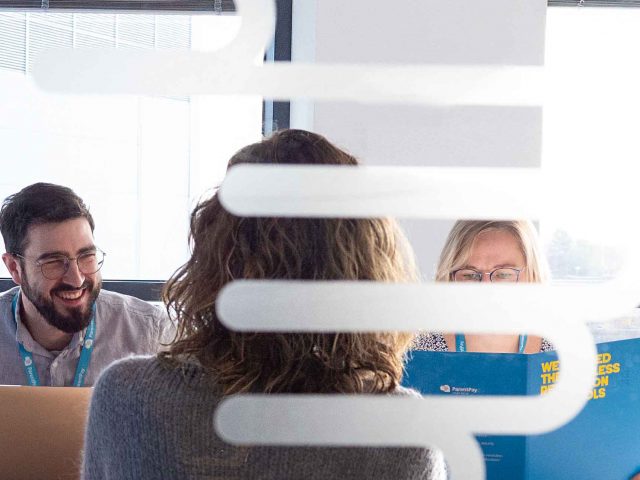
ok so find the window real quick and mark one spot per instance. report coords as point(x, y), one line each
point(139, 162)
point(590, 123)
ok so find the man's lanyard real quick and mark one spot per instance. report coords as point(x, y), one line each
point(85, 355)
point(461, 343)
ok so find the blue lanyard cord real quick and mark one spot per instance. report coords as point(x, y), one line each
point(85, 355)
point(461, 343)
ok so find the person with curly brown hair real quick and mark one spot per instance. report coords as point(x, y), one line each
point(152, 417)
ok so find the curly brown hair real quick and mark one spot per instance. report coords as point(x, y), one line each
point(226, 247)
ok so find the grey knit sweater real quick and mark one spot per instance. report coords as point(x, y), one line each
point(150, 419)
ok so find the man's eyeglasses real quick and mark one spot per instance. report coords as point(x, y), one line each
point(497, 275)
point(55, 267)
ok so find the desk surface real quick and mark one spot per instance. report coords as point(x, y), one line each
point(42, 431)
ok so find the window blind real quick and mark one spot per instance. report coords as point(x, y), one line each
point(47, 31)
point(23, 35)
point(13, 28)
point(213, 6)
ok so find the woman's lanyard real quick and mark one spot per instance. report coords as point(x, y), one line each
point(461, 343)
point(83, 362)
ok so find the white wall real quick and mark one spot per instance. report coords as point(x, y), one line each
point(423, 31)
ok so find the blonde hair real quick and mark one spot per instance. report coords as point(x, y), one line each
point(457, 248)
point(227, 247)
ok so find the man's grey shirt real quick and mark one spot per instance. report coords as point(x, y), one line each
point(124, 326)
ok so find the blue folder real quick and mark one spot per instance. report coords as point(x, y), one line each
point(602, 442)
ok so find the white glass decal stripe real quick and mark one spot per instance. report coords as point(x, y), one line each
point(182, 73)
point(433, 192)
point(342, 306)
point(426, 192)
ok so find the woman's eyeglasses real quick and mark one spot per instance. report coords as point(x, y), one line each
point(497, 275)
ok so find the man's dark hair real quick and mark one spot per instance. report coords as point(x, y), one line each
point(35, 205)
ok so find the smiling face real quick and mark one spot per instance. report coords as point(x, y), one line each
point(493, 249)
point(65, 303)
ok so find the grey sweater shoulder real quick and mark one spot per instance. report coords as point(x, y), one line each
point(150, 419)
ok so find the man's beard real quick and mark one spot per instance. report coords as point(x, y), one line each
point(77, 319)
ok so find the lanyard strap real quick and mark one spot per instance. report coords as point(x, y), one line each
point(461, 343)
point(85, 355)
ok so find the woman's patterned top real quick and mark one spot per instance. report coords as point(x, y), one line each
point(435, 342)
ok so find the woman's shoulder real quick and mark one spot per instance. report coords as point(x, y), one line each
point(430, 341)
point(118, 382)
point(128, 371)
point(120, 392)
point(127, 377)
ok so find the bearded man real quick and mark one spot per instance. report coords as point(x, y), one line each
point(57, 327)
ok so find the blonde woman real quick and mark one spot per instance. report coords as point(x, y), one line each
point(153, 417)
point(489, 251)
